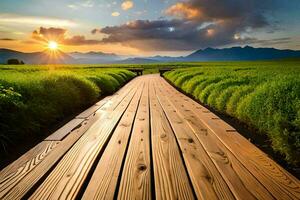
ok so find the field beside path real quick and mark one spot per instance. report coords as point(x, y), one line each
point(265, 97)
point(33, 99)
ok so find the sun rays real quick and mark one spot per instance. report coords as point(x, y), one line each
point(52, 45)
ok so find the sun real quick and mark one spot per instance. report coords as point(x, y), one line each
point(52, 45)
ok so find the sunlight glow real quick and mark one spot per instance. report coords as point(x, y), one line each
point(52, 45)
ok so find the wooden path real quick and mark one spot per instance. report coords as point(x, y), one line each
point(147, 141)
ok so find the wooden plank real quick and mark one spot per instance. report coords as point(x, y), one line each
point(107, 100)
point(31, 177)
point(206, 179)
point(280, 183)
point(88, 112)
point(10, 175)
point(28, 179)
point(61, 133)
point(241, 182)
point(136, 180)
point(67, 177)
point(119, 97)
point(104, 180)
point(171, 179)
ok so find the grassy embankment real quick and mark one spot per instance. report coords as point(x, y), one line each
point(32, 99)
point(266, 97)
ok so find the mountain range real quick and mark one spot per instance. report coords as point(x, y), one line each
point(246, 53)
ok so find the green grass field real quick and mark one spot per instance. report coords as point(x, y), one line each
point(264, 95)
point(32, 99)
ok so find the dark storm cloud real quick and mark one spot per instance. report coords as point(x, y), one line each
point(196, 24)
point(59, 35)
point(168, 35)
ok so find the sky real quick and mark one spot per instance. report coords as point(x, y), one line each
point(148, 27)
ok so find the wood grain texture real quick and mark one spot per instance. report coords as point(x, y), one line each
point(12, 174)
point(280, 183)
point(171, 179)
point(88, 112)
point(136, 180)
point(28, 181)
point(65, 181)
point(241, 182)
point(62, 132)
point(104, 180)
point(207, 181)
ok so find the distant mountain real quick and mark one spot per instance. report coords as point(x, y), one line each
point(94, 57)
point(246, 53)
point(45, 57)
point(241, 53)
point(137, 61)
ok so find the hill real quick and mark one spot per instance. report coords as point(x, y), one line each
point(94, 57)
point(246, 53)
point(241, 53)
point(45, 57)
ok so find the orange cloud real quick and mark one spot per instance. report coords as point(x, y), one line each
point(59, 35)
point(115, 14)
point(183, 10)
point(126, 5)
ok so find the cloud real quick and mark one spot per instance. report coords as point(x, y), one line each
point(168, 35)
point(84, 4)
point(87, 4)
point(7, 39)
point(270, 42)
point(59, 35)
point(73, 6)
point(115, 14)
point(126, 5)
point(250, 13)
point(194, 24)
point(183, 10)
point(96, 30)
point(30, 20)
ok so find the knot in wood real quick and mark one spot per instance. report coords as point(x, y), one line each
point(190, 140)
point(142, 167)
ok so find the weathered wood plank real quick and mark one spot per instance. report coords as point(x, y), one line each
point(171, 179)
point(280, 183)
point(136, 180)
point(28, 180)
point(241, 182)
point(65, 180)
point(10, 175)
point(206, 179)
point(104, 180)
point(88, 112)
point(62, 132)
point(31, 177)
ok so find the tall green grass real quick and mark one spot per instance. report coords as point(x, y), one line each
point(264, 97)
point(31, 101)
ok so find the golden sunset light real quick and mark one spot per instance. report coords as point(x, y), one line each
point(52, 45)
